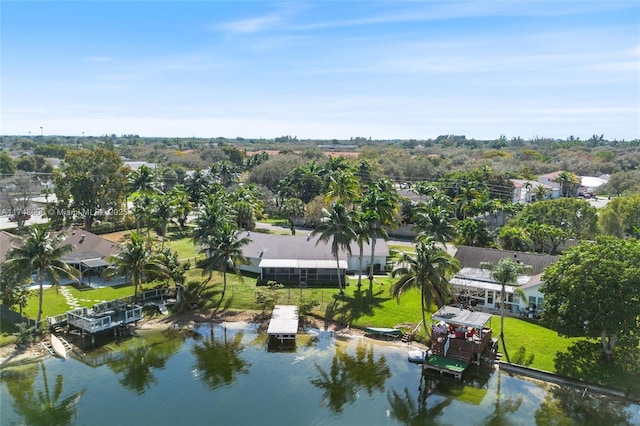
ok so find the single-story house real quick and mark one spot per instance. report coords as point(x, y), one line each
point(475, 286)
point(90, 253)
point(525, 191)
point(293, 259)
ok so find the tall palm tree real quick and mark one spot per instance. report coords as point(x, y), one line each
point(225, 250)
point(362, 226)
point(569, 183)
point(435, 221)
point(343, 187)
point(41, 251)
point(144, 180)
point(196, 186)
point(505, 271)
point(214, 212)
point(293, 208)
point(162, 210)
point(336, 226)
point(428, 272)
point(380, 202)
point(136, 259)
point(181, 205)
point(142, 208)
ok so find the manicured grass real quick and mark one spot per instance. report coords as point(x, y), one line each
point(527, 343)
point(538, 342)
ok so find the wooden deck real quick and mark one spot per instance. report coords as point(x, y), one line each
point(104, 317)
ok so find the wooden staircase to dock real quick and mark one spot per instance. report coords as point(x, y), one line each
point(408, 337)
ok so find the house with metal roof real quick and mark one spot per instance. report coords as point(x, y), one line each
point(303, 260)
point(475, 286)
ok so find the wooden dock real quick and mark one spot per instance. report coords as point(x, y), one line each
point(446, 365)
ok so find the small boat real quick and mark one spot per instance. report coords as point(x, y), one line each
point(418, 356)
point(382, 331)
point(163, 309)
point(58, 347)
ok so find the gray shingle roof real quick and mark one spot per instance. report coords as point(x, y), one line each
point(472, 256)
point(301, 247)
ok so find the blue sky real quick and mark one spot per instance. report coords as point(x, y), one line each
point(320, 69)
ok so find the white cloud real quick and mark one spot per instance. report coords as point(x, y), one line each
point(251, 25)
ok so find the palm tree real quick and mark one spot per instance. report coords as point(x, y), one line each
point(142, 207)
point(196, 186)
point(135, 260)
point(162, 210)
point(343, 186)
point(181, 205)
point(568, 183)
point(467, 194)
point(435, 221)
point(336, 226)
point(505, 271)
point(215, 211)
point(381, 203)
point(224, 250)
point(144, 180)
point(363, 223)
point(428, 271)
point(41, 251)
point(293, 208)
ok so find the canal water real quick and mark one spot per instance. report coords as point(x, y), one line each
point(224, 374)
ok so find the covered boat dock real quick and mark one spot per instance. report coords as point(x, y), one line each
point(283, 326)
point(459, 337)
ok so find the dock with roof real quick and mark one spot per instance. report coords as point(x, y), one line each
point(283, 326)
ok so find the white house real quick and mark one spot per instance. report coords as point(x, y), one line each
point(525, 191)
point(475, 286)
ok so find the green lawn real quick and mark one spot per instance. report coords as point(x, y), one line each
point(527, 343)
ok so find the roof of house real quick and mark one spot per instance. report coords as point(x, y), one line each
point(472, 257)
point(269, 246)
point(551, 176)
point(519, 183)
point(88, 246)
point(7, 241)
point(89, 249)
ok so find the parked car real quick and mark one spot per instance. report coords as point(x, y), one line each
point(15, 217)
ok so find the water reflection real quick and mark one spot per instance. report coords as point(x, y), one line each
point(44, 406)
point(503, 408)
point(325, 381)
point(349, 374)
point(218, 361)
point(147, 353)
point(575, 406)
point(435, 394)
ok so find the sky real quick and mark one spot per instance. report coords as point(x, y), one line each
point(321, 69)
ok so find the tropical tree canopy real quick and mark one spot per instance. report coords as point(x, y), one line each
point(428, 271)
point(41, 251)
point(336, 227)
point(136, 260)
point(594, 291)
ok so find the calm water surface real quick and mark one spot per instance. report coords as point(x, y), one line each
point(224, 375)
